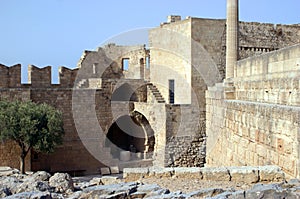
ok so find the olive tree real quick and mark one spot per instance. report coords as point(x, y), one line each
point(31, 126)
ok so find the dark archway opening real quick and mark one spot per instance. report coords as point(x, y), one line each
point(131, 133)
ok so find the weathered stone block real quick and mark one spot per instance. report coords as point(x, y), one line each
point(244, 174)
point(114, 170)
point(188, 172)
point(132, 174)
point(104, 171)
point(271, 173)
point(216, 174)
point(161, 172)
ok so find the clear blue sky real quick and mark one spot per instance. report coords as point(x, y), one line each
point(55, 32)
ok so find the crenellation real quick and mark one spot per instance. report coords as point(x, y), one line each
point(4, 76)
point(67, 77)
point(39, 77)
point(10, 77)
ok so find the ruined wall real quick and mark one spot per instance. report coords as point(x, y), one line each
point(107, 62)
point(185, 139)
point(261, 125)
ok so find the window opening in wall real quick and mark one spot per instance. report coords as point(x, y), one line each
point(95, 68)
point(125, 64)
point(147, 62)
point(171, 91)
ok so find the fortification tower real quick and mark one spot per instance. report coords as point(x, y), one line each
point(232, 37)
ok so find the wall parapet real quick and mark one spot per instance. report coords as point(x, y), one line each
point(67, 76)
point(39, 77)
point(10, 77)
point(284, 62)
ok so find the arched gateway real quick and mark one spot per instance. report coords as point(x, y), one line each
point(131, 139)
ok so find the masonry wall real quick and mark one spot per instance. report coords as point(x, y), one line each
point(185, 139)
point(272, 78)
point(10, 151)
point(254, 39)
point(10, 76)
point(107, 62)
point(170, 47)
point(85, 99)
point(72, 155)
point(257, 38)
point(156, 115)
point(261, 125)
point(208, 37)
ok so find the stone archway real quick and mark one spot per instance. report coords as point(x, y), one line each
point(132, 134)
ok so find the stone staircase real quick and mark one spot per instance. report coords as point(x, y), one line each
point(84, 83)
point(154, 90)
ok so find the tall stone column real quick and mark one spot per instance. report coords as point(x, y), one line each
point(232, 37)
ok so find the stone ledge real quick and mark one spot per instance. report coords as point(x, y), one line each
point(245, 174)
point(215, 173)
point(188, 172)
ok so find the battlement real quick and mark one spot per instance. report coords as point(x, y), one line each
point(10, 77)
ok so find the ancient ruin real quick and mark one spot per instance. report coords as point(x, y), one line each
point(205, 92)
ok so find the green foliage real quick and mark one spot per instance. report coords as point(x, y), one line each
point(37, 126)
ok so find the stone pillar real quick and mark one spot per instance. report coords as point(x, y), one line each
point(232, 37)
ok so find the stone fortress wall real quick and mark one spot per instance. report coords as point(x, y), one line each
point(110, 91)
point(253, 116)
point(72, 155)
point(260, 124)
point(181, 53)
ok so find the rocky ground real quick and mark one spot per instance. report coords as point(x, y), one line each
point(41, 185)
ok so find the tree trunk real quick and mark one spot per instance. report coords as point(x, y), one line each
point(24, 151)
point(22, 163)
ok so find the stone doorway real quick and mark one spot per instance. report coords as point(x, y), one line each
point(131, 138)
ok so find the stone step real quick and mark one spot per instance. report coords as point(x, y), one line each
point(160, 99)
point(157, 95)
point(82, 83)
